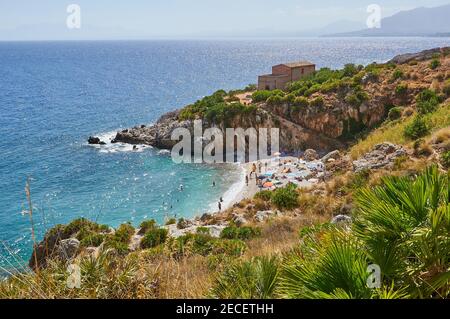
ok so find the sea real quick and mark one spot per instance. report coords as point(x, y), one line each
point(54, 95)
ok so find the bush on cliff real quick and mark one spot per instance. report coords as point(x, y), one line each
point(397, 74)
point(121, 238)
point(395, 113)
point(417, 129)
point(434, 64)
point(401, 89)
point(265, 195)
point(147, 225)
point(317, 102)
point(427, 101)
point(154, 237)
point(446, 159)
point(286, 197)
point(243, 233)
point(93, 240)
point(261, 96)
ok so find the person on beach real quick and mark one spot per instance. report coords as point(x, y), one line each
point(253, 169)
point(221, 199)
point(246, 180)
point(259, 167)
point(220, 206)
point(265, 166)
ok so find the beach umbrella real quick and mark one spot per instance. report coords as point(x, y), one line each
point(268, 184)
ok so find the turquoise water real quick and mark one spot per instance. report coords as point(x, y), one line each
point(54, 95)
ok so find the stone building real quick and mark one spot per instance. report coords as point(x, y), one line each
point(284, 73)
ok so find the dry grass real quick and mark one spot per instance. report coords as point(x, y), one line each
point(393, 131)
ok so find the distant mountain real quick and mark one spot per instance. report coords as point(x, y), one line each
point(417, 22)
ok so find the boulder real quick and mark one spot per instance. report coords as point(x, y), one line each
point(205, 217)
point(310, 155)
point(68, 249)
point(382, 156)
point(94, 140)
point(261, 216)
point(341, 219)
point(214, 230)
point(239, 220)
point(47, 247)
point(335, 155)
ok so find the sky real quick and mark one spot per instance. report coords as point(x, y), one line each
point(46, 19)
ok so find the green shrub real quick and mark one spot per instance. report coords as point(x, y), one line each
point(313, 89)
point(446, 89)
point(330, 86)
point(202, 244)
point(171, 221)
point(286, 197)
point(93, 240)
point(357, 97)
point(289, 98)
point(435, 64)
point(395, 113)
point(243, 233)
point(417, 129)
point(121, 238)
point(301, 101)
point(317, 102)
point(397, 74)
point(275, 100)
point(83, 227)
point(154, 237)
point(427, 101)
point(147, 225)
point(229, 247)
point(350, 70)
point(446, 159)
point(261, 96)
point(401, 89)
point(124, 233)
point(265, 195)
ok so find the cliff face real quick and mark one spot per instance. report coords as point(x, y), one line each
point(333, 116)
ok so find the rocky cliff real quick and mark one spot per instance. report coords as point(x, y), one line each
point(335, 110)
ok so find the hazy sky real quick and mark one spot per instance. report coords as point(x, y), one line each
point(139, 18)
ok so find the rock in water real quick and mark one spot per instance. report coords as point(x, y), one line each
point(93, 140)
